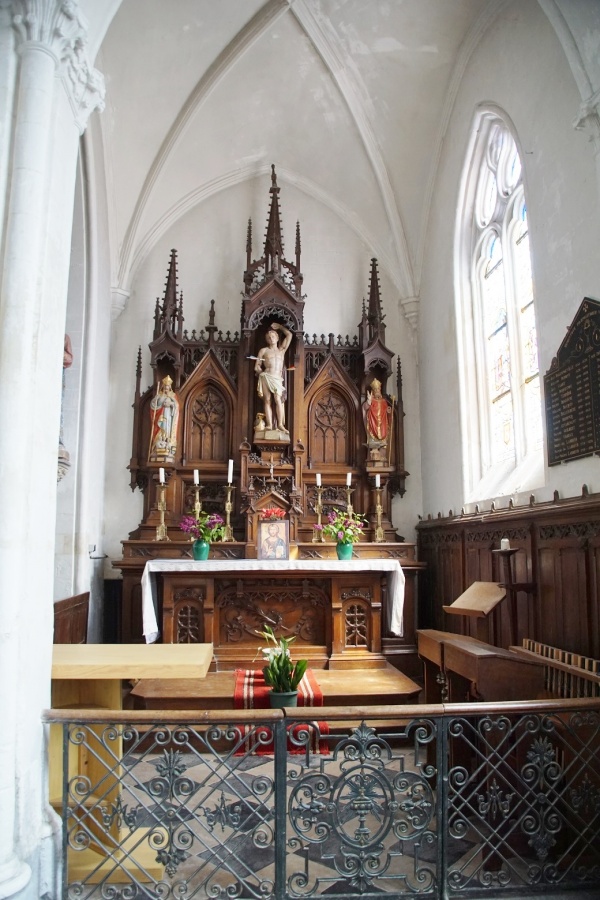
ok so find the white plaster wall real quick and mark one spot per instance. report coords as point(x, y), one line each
point(66, 495)
point(94, 441)
point(80, 495)
point(538, 92)
point(211, 241)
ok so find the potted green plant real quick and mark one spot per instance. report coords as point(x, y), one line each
point(204, 529)
point(281, 674)
point(345, 528)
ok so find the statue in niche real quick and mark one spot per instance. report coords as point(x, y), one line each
point(271, 386)
point(164, 409)
point(376, 416)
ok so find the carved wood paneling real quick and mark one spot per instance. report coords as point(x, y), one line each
point(188, 624)
point(188, 608)
point(243, 608)
point(594, 591)
point(357, 620)
point(561, 578)
point(209, 425)
point(329, 428)
point(558, 552)
point(451, 569)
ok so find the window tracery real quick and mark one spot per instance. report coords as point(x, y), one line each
point(500, 384)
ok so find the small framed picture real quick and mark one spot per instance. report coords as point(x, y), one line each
point(273, 539)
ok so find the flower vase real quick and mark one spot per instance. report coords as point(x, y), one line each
point(344, 551)
point(200, 549)
point(280, 699)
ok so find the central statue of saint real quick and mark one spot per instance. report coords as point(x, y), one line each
point(270, 370)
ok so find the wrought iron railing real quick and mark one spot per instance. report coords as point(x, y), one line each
point(465, 801)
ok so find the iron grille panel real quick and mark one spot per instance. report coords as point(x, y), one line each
point(454, 806)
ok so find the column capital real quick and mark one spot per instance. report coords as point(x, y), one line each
point(588, 119)
point(410, 307)
point(54, 23)
point(120, 297)
point(59, 28)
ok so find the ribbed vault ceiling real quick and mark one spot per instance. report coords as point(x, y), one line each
point(348, 97)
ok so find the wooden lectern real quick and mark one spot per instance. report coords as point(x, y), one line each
point(478, 602)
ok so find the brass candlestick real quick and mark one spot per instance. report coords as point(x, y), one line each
point(197, 502)
point(318, 532)
point(228, 533)
point(349, 492)
point(161, 528)
point(379, 536)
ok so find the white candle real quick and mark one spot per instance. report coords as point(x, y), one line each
point(161, 475)
point(349, 479)
point(196, 476)
point(378, 481)
point(505, 544)
point(318, 479)
point(230, 472)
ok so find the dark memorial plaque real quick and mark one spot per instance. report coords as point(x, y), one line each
point(572, 389)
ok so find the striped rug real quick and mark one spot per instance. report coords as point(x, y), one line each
point(251, 692)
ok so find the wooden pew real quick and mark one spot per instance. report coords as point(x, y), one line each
point(71, 619)
point(458, 668)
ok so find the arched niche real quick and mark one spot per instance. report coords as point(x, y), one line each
point(331, 426)
point(208, 407)
point(207, 423)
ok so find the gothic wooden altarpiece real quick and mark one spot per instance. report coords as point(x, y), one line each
point(331, 381)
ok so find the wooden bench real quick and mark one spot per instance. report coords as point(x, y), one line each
point(340, 687)
point(459, 667)
point(71, 619)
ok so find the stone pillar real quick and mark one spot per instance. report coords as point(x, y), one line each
point(54, 93)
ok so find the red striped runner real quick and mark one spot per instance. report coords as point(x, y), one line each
point(251, 692)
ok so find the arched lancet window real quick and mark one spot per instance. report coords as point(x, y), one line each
point(500, 382)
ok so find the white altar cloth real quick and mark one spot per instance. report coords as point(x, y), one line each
point(235, 568)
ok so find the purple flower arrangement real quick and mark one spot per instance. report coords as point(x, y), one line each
point(343, 528)
point(204, 527)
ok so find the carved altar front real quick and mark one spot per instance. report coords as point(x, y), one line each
point(344, 419)
point(336, 614)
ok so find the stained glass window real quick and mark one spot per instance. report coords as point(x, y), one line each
point(504, 402)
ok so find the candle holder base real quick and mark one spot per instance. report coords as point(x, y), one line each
point(161, 528)
point(318, 534)
point(379, 535)
point(228, 532)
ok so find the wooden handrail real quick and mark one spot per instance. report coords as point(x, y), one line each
point(327, 713)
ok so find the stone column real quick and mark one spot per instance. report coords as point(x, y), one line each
point(55, 91)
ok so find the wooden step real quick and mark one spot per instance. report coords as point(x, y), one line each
point(340, 687)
